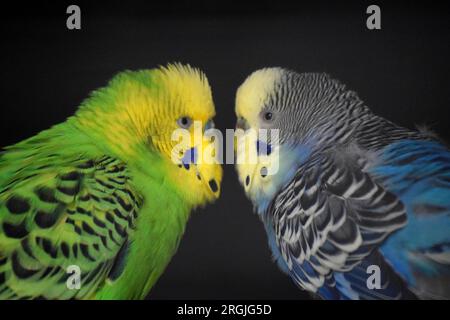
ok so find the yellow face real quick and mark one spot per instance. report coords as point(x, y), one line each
point(178, 133)
point(199, 179)
point(253, 168)
point(148, 107)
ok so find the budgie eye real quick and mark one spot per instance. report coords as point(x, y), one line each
point(268, 116)
point(184, 122)
point(209, 125)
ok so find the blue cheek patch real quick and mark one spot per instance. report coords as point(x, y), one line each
point(190, 156)
point(263, 148)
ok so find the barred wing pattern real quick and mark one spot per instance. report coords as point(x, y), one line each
point(330, 218)
point(75, 212)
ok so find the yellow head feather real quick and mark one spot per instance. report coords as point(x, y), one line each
point(138, 111)
point(255, 90)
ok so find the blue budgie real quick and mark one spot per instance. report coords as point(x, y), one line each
point(354, 206)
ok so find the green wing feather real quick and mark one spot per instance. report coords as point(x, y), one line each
point(56, 211)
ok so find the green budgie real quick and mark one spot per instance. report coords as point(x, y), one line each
point(101, 192)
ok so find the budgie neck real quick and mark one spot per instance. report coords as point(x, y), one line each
point(111, 131)
point(287, 159)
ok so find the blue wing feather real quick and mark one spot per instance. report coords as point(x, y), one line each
point(418, 172)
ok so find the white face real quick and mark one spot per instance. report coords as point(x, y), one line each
point(258, 170)
point(256, 162)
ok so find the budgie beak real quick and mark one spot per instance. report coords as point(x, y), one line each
point(209, 169)
point(202, 159)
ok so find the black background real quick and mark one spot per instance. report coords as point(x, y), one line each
point(401, 71)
